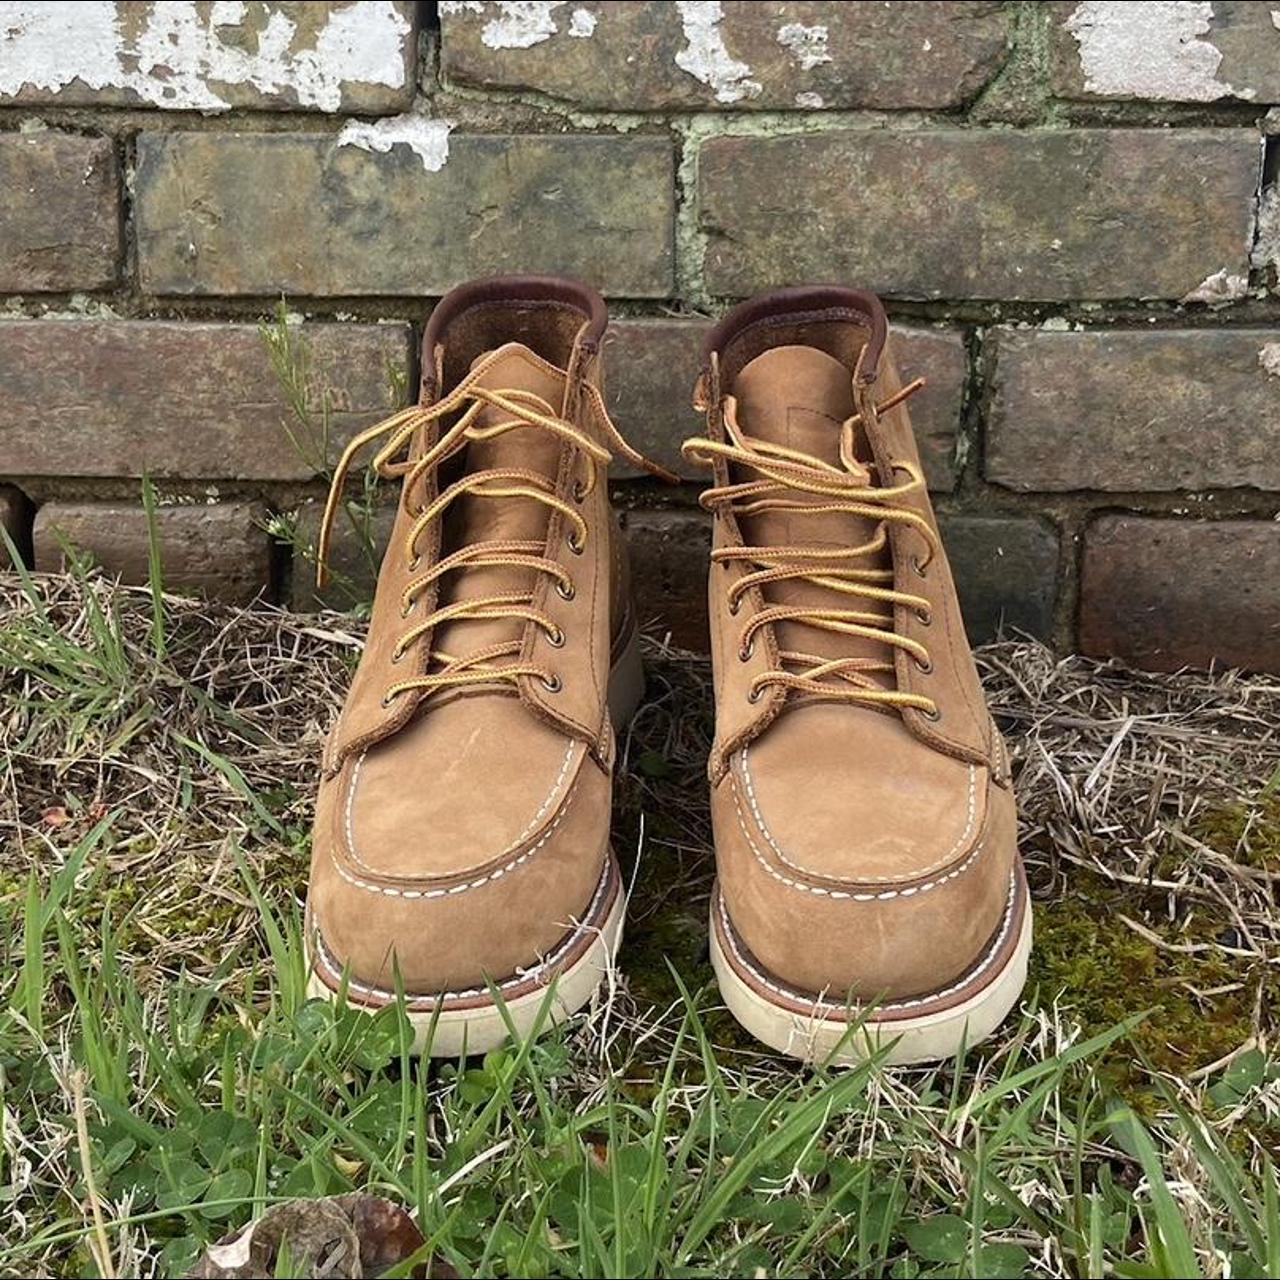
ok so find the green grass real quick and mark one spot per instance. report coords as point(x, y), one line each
point(163, 1077)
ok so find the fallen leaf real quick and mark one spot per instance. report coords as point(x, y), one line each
point(55, 816)
point(354, 1236)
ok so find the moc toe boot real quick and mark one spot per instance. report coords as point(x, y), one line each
point(461, 849)
point(870, 896)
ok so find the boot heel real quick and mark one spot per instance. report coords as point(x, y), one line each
point(626, 681)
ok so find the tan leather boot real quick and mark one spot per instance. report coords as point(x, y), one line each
point(462, 828)
point(870, 893)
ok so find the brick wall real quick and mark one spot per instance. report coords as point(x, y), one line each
point(1073, 211)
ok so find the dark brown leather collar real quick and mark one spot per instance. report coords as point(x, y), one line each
point(547, 291)
point(806, 303)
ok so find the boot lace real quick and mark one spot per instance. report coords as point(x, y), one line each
point(522, 410)
point(845, 489)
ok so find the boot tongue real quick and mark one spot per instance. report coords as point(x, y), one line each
point(798, 397)
point(476, 518)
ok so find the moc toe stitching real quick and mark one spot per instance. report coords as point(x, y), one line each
point(392, 891)
point(349, 823)
point(961, 844)
point(904, 889)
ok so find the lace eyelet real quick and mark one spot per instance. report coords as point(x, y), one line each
point(575, 546)
point(414, 563)
point(923, 666)
point(924, 617)
point(918, 568)
point(397, 656)
point(755, 693)
point(554, 685)
point(734, 605)
point(387, 699)
point(935, 715)
point(566, 590)
point(579, 492)
point(407, 609)
point(556, 638)
point(746, 651)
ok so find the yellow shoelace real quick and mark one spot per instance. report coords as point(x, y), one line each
point(524, 410)
point(848, 488)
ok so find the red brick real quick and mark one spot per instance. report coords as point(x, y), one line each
point(669, 560)
point(980, 213)
point(1165, 594)
point(857, 53)
point(200, 400)
point(60, 212)
point(651, 366)
point(1123, 410)
point(302, 213)
point(221, 550)
point(1168, 52)
point(280, 55)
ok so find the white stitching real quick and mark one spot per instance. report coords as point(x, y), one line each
point(580, 928)
point(497, 874)
point(924, 871)
point(883, 895)
point(820, 1004)
point(515, 844)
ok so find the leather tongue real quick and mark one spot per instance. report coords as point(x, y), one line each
point(476, 517)
point(798, 397)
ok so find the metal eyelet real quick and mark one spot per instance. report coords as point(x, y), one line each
point(920, 570)
point(924, 617)
point(566, 590)
point(924, 667)
point(734, 605)
point(746, 651)
point(387, 700)
point(397, 656)
point(554, 685)
point(754, 694)
point(575, 546)
point(579, 492)
point(935, 715)
point(556, 638)
point(414, 563)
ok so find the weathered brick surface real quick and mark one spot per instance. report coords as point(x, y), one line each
point(221, 550)
point(59, 212)
point(651, 366)
point(306, 214)
point(1167, 52)
point(670, 553)
point(651, 57)
point(1071, 214)
point(15, 520)
point(353, 573)
point(1006, 572)
point(211, 57)
point(1172, 593)
point(117, 398)
point(1124, 410)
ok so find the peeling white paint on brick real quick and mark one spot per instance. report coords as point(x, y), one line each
point(520, 24)
point(810, 101)
point(704, 55)
point(807, 45)
point(427, 138)
point(179, 57)
point(1150, 50)
point(1219, 288)
point(582, 24)
point(1269, 359)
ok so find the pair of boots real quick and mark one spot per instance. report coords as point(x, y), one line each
point(869, 893)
